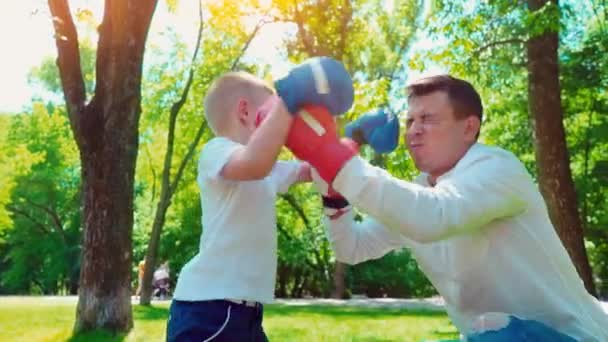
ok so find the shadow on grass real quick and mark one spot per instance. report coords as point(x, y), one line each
point(161, 313)
point(140, 313)
point(97, 336)
point(150, 313)
point(448, 333)
point(344, 311)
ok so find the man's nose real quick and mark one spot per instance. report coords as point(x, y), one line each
point(414, 129)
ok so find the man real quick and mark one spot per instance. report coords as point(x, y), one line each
point(474, 220)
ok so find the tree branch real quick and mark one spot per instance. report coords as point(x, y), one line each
point(25, 214)
point(294, 204)
point(188, 157)
point(68, 61)
point(289, 198)
point(257, 28)
point(290, 236)
point(418, 15)
point(344, 20)
point(175, 108)
point(308, 45)
point(120, 50)
point(481, 49)
point(153, 171)
point(53, 216)
point(167, 184)
point(596, 232)
point(598, 16)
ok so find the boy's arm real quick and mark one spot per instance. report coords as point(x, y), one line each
point(256, 159)
point(284, 174)
point(322, 81)
point(304, 175)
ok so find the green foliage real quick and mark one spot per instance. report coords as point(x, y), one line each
point(46, 76)
point(369, 37)
point(43, 205)
point(304, 254)
point(483, 42)
point(394, 275)
point(585, 79)
point(371, 40)
point(6, 174)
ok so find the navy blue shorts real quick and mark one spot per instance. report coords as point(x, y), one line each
point(214, 320)
point(520, 330)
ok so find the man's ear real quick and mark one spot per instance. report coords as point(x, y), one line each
point(471, 129)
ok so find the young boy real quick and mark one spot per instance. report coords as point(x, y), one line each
point(220, 292)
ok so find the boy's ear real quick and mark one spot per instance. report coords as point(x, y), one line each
point(242, 112)
point(242, 107)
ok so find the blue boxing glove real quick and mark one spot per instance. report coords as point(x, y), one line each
point(319, 81)
point(379, 129)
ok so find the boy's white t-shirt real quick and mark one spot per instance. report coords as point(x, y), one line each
point(237, 258)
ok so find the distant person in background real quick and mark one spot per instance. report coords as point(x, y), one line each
point(161, 281)
point(140, 277)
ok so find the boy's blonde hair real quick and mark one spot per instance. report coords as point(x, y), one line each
point(225, 92)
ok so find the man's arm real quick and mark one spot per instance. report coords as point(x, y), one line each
point(354, 242)
point(256, 159)
point(488, 189)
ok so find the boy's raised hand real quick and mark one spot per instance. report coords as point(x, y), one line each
point(320, 81)
point(313, 138)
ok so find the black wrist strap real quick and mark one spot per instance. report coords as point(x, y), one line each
point(335, 202)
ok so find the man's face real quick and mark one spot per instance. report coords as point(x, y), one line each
point(435, 138)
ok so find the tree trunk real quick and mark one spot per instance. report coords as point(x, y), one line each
point(152, 251)
point(105, 277)
point(553, 162)
point(106, 132)
point(339, 283)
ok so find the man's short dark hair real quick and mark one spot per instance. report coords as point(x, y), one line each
point(464, 98)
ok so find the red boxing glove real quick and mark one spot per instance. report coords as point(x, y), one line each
point(334, 204)
point(313, 138)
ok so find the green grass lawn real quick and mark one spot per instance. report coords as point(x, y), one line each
point(40, 319)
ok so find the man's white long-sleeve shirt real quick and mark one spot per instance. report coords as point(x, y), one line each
point(482, 235)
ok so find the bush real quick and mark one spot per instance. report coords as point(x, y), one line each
point(394, 275)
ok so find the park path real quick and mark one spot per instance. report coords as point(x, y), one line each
point(431, 304)
point(435, 303)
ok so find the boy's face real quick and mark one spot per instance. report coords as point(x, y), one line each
point(253, 109)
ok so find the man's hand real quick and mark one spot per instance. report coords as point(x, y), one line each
point(334, 204)
point(379, 129)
